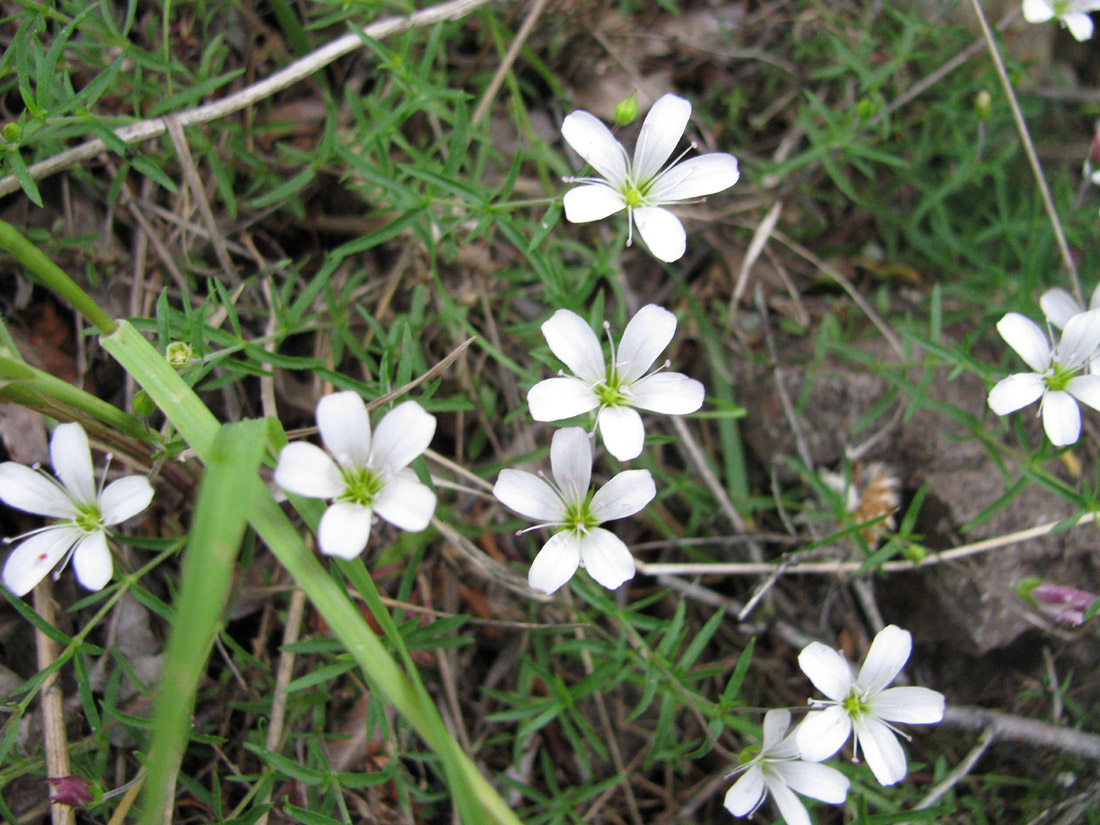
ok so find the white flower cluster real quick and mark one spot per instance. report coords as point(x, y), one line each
point(862, 706)
point(1063, 374)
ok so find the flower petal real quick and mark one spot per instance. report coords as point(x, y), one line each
point(72, 461)
point(1059, 306)
point(881, 750)
point(403, 434)
point(1027, 338)
point(1038, 11)
point(1015, 392)
point(624, 495)
point(406, 502)
point(1079, 25)
point(125, 498)
point(828, 670)
point(592, 202)
point(1080, 339)
point(1086, 389)
point(1061, 418)
point(662, 232)
point(776, 723)
point(661, 131)
point(790, 806)
point(529, 496)
point(888, 654)
point(555, 564)
point(307, 470)
point(913, 705)
point(29, 563)
point(822, 733)
point(606, 558)
point(593, 141)
point(571, 463)
point(344, 530)
point(345, 428)
point(558, 398)
point(695, 178)
point(671, 393)
point(24, 489)
point(815, 781)
point(92, 561)
point(646, 336)
point(622, 431)
point(575, 344)
point(747, 792)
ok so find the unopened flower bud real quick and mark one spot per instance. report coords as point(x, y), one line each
point(1064, 604)
point(143, 405)
point(983, 106)
point(626, 111)
point(12, 132)
point(74, 790)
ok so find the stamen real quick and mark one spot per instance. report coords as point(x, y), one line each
point(630, 225)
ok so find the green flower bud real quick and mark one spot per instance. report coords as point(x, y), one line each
point(143, 404)
point(626, 111)
point(983, 106)
point(12, 132)
point(179, 354)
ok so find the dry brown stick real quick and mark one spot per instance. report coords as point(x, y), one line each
point(296, 71)
point(53, 701)
point(509, 58)
point(1018, 729)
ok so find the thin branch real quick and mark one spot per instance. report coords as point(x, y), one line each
point(53, 705)
point(509, 58)
point(1030, 731)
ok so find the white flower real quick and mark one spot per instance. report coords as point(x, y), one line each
point(367, 476)
point(640, 187)
point(618, 389)
point(1059, 306)
point(863, 705)
point(569, 505)
point(778, 769)
point(1073, 13)
point(85, 512)
point(1054, 380)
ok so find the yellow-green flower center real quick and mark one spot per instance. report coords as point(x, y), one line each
point(579, 518)
point(363, 484)
point(634, 197)
point(1059, 378)
point(88, 519)
point(854, 705)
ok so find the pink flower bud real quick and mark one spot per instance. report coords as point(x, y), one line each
point(71, 790)
point(1064, 604)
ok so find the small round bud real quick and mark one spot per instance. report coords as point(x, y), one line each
point(626, 111)
point(865, 109)
point(179, 354)
point(12, 132)
point(143, 405)
point(983, 106)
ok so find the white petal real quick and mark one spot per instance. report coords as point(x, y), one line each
point(888, 654)
point(606, 558)
point(1079, 25)
point(1086, 389)
point(555, 564)
point(529, 496)
point(622, 431)
point(594, 142)
point(747, 792)
point(558, 398)
point(344, 530)
point(815, 781)
point(661, 131)
point(662, 232)
point(307, 470)
point(1015, 392)
point(24, 489)
point(624, 495)
point(695, 178)
point(671, 393)
point(1059, 306)
point(345, 428)
point(124, 499)
point(29, 563)
point(882, 751)
point(571, 463)
point(1080, 339)
point(92, 561)
point(1027, 338)
point(776, 723)
point(592, 202)
point(646, 336)
point(822, 733)
point(790, 806)
point(575, 344)
point(828, 670)
point(1061, 418)
point(1038, 11)
point(913, 705)
point(405, 502)
point(403, 434)
point(72, 461)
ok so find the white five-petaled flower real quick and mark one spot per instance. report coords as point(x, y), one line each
point(363, 476)
point(864, 705)
point(778, 768)
point(640, 186)
point(1054, 382)
point(85, 513)
point(1073, 13)
point(617, 389)
point(1059, 306)
point(569, 505)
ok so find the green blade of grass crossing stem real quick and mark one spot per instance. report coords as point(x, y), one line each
point(215, 540)
point(475, 798)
